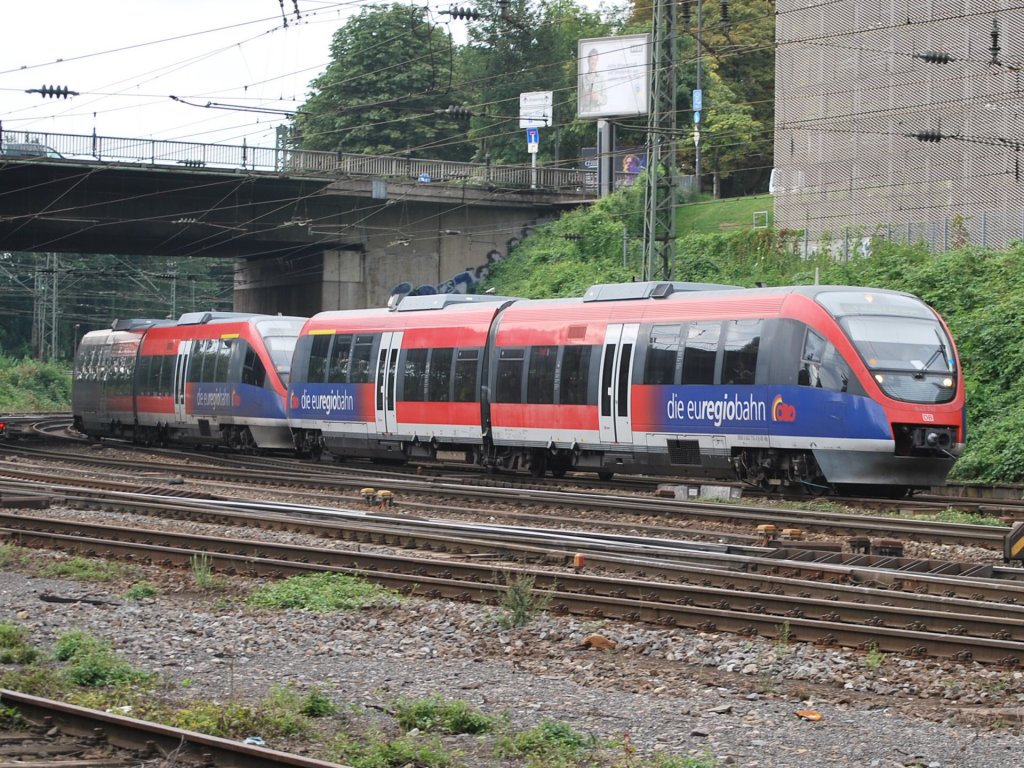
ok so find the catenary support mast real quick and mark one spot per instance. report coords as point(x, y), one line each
point(659, 219)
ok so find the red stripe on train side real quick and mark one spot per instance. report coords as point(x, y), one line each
point(544, 416)
point(444, 414)
point(155, 404)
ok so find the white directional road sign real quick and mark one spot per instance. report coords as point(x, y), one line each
point(535, 109)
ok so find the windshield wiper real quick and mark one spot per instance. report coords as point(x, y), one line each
point(940, 351)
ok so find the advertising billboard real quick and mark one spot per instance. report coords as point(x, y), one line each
point(613, 76)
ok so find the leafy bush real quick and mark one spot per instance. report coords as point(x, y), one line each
point(30, 386)
point(378, 752)
point(92, 662)
point(84, 569)
point(14, 646)
point(437, 715)
point(551, 744)
point(323, 593)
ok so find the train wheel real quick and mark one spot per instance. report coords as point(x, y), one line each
point(246, 442)
point(538, 463)
point(606, 476)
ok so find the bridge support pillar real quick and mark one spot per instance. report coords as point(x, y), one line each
point(300, 285)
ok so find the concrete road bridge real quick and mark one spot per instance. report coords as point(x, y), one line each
point(308, 230)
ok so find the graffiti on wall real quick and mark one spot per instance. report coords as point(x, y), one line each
point(467, 280)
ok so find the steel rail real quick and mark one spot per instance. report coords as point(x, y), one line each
point(808, 520)
point(146, 737)
point(660, 603)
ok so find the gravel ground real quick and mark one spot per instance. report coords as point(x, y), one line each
point(724, 699)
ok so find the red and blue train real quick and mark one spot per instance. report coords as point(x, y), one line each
point(207, 378)
point(816, 387)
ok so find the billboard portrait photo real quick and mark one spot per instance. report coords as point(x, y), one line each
point(613, 76)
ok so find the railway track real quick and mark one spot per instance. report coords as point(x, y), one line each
point(298, 475)
point(53, 734)
point(662, 582)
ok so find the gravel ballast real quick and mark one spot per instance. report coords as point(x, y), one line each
point(721, 698)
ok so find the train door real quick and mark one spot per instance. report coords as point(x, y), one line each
point(387, 380)
point(180, 375)
point(616, 420)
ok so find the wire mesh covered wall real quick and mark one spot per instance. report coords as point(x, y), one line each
point(896, 116)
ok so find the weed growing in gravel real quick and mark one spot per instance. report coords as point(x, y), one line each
point(282, 713)
point(782, 641)
point(323, 593)
point(959, 516)
point(552, 744)
point(11, 718)
point(84, 569)
point(14, 646)
point(318, 704)
point(440, 716)
point(378, 752)
point(10, 555)
point(875, 658)
point(634, 760)
point(520, 602)
point(202, 570)
point(93, 663)
point(140, 590)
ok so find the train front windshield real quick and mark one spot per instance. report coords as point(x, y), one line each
point(900, 340)
point(279, 336)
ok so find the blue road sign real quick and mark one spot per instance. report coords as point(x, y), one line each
point(698, 99)
point(533, 135)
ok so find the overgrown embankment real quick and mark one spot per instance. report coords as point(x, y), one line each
point(29, 386)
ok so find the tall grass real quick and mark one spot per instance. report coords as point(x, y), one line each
point(31, 386)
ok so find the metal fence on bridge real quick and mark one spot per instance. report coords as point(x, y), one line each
point(19, 144)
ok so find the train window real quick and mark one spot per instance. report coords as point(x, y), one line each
point(254, 373)
point(810, 363)
point(281, 349)
point(165, 385)
point(467, 365)
point(625, 360)
point(221, 357)
point(835, 372)
point(739, 359)
point(341, 354)
point(699, 357)
point(540, 382)
point(572, 388)
point(147, 370)
point(196, 360)
point(439, 378)
point(360, 371)
point(663, 355)
point(509, 387)
point(318, 358)
point(414, 378)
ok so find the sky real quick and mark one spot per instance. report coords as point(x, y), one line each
point(247, 59)
point(128, 58)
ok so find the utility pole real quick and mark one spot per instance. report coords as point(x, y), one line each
point(696, 138)
point(53, 306)
point(45, 299)
point(660, 197)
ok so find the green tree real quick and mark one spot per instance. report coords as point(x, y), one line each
point(519, 47)
point(738, 57)
point(385, 91)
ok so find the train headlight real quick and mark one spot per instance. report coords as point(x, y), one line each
point(879, 378)
point(947, 382)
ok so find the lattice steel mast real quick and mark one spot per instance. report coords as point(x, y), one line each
point(660, 197)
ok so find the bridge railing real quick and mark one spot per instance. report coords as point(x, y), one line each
point(295, 161)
